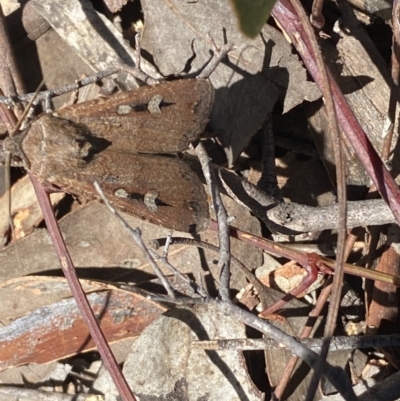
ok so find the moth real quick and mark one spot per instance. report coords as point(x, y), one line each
point(126, 142)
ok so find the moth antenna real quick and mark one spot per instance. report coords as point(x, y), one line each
point(27, 109)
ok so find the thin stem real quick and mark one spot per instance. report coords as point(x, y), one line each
point(223, 228)
point(78, 293)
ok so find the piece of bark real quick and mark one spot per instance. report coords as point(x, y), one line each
point(26, 24)
point(57, 331)
point(288, 276)
point(92, 36)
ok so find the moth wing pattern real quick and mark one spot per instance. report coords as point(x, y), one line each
point(66, 156)
point(126, 120)
point(180, 201)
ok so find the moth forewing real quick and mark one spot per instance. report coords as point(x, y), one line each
point(70, 154)
point(127, 120)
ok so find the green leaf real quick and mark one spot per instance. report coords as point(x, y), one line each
point(252, 14)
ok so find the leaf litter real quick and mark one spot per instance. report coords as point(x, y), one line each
point(261, 79)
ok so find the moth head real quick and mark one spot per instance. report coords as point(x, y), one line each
point(12, 146)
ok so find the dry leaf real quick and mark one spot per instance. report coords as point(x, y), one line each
point(57, 330)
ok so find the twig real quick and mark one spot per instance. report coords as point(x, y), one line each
point(137, 236)
point(276, 248)
point(338, 343)
point(219, 54)
point(224, 242)
point(78, 293)
point(335, 375)
point(44, 95)
point(334, 133)
point(223, 228)
point(190, 284)
point(258, 285)
point(303, 218)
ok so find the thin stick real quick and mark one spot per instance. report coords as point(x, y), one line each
point(258, 285)
point(339, 343)
point(43, 95)
point(78, 293)
point(335, 375)
point(223, 228)
point(137, 236)
point(334, 133)
point(302, 257)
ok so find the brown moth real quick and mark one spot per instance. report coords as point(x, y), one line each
point(117, 140)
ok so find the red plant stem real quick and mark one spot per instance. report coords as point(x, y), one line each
point(78, 293)
point(303, 258)
point(312, 275)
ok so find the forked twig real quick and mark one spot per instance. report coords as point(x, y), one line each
point(137, 236)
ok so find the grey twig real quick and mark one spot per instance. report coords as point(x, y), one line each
point(303, 218)
point(223, 228)
point(137, 236)
point(43, 96)
point(191, 284)
point(338, 343)
point(336, 376)
point(219, 54)
point(258, 285)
